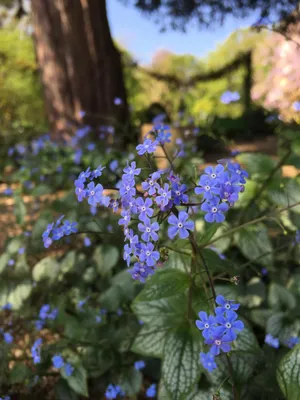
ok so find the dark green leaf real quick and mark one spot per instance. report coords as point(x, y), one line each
point(181, 367)
point(288, 374)
point(255, 245)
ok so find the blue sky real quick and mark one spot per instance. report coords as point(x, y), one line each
point(141, 36)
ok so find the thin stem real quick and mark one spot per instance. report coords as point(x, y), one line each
point(212, 288)
point(254, 221)
point(167, 157)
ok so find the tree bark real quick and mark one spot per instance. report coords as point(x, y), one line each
point(81, 69)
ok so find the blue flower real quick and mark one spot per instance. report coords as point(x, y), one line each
point(87, 241)
point(125, 214)
point(7, 306)
point(11, 262)
point(229, 97)
point(165, 195)
point(219, 342)
point(296, 106)
point(131, 171)
point(43, 314)
point(230, 323)
point(151, 184)
point(118, 101)
point(112, 391)
point(36, 351)
point(214, 210)
point(138, 365)
point(225, 305)
point(178, 194)
point(205, 324)
point(151, 391)
point(181, 225)
point(237, 172)
point(94, 193)
point(149, 230)
point(98, 171)
point(80, 190)
point(271, 341)
point(113, 165)
point(292, 341)
point(21, 250)
point(208, 361)
point(208, 187)
point(214, 173)
point(69, 369)
point(149, 255)
point(8, 337)
point(148, 146)
point(163, 134)
point(39, 324)
point(58, 361)
point(144, 207)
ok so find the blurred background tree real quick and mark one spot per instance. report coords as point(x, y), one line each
point(82, 69)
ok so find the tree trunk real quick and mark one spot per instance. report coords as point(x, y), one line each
point(80, 67)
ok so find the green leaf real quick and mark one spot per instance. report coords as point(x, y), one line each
point(286, 196)
point(178, 261)
point(78, 380)
point(164, 283)
point(4, 258)
point(288, 374)
point(68, 262)
point(19, 209)
point(169, 310)
point(215, 263)
point(257, 163)
point(281, 298)
point(41, 190)
point(97, 361)
point(131, 381)
point(111, 299)
point(254, 293)
point(246, 341)
point(19, 374)
point(150, 340)
point(46, 270)
point(17, 295)
point(64, 392)
point(106, 257)
point(255, 244)
point(181, 367)
point(208, 234)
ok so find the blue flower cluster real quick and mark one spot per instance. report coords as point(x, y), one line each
point(219, 330)
point(58, 362)
point(220, 188)
point(113, 391)
point(85, 187)
point(230, 97)
point(36, 351)
point(160, 192)
point(5, 398)
point(44, 314)
point(57, 231)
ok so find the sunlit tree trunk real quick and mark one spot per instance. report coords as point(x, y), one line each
point(80, 67)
